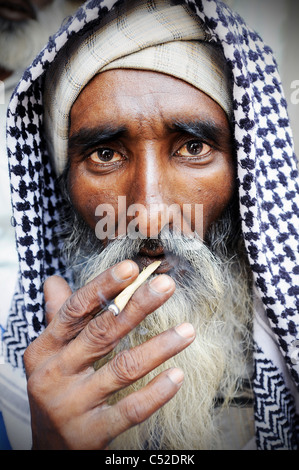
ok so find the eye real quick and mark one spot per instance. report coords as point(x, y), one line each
point(105, 155)
point(194, 148)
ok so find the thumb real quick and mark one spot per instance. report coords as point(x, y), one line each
point(56, 292)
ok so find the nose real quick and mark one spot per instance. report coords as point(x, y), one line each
point(151, 199)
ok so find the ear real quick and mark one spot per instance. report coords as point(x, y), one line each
point(56, 291)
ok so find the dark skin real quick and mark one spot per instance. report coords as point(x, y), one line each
point(169, 145)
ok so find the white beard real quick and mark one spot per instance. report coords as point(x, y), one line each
point(215, 298)
point(20, 42)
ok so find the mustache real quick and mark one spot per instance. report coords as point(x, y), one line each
point(191, 252)
point(85, 254)
point(167, 243)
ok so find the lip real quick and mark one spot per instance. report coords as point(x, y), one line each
point(168, 261)
point(156, 251)
point(17, 10)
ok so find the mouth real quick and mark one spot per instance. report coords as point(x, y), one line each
point(17, 10)
point(149, 254)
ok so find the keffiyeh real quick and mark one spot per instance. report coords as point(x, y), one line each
point(161, 39)
point(268, 195)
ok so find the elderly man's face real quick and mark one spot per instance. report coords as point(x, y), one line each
point(154, 139)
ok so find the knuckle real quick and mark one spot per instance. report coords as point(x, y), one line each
point(28, 357)
point(33, 385)
point(133, 411)
point(126, 366)
point(73, 313)
point(36, 388)
point(135, 302)
point(75, 305)
point(100, 331)
point(42, 379)
point(33, 355)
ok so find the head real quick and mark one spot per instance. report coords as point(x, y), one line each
point(150, 174)
point(25, 27)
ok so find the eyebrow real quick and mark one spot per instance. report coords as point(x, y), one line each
point(206, 130)
point(87, 138)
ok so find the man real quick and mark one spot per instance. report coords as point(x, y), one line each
point(25, 27)
point(137, 103)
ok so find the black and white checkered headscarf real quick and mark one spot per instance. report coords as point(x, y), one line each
point(269, 205)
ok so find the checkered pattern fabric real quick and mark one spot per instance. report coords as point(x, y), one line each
point(161, 39)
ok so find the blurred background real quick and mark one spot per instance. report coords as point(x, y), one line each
point(277, 23)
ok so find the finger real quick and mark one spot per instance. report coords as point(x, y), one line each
point(82, 306)
point(129, 366)
point(139, 406)
point(78, 309)
point(56, 292)
point(103, 332)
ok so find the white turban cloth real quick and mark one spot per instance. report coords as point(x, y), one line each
point(147, 35)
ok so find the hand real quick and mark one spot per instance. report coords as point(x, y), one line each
point(68, 399)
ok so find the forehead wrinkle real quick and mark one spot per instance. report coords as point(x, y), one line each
point(148, 122)
point(145, 110)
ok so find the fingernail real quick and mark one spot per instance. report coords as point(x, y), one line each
point(185, 330)
point(176, 376)
point(161, 283)
point(123, 270)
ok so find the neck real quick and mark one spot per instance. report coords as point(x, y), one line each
point(4, 74)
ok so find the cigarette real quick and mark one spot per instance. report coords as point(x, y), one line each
point(123, 298)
